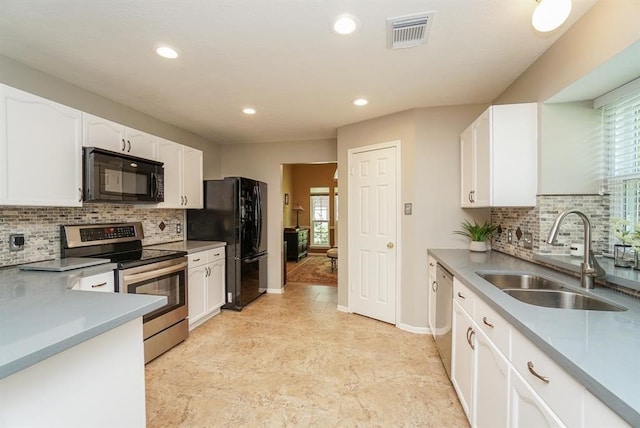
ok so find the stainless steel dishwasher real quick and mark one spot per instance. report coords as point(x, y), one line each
point(444, 302)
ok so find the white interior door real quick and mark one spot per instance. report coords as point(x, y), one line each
point(373, 211)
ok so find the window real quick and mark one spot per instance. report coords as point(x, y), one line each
point(621, 133)
point(319, 204)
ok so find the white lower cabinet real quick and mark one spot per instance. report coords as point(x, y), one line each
point(432, 295)
point(503, 379)
point(206, 285)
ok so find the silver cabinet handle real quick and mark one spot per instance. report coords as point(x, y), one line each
point(434, 286)
point(80, 191)
point(99, 285)
point(469, 196)
point(487, 323)
point(470, 334)
point(473, 196)
point(181, 200)
point(129, 149)
point(216, 254)
point(430, 264)
point(186, 200)
point(196, 260)
point(536, 374)
point(124, 145)
point(460, 295)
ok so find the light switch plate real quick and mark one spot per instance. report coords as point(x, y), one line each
point(408, 207)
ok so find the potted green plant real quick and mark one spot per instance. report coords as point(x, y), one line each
point(477, 233)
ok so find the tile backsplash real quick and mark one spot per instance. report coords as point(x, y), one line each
point(41, 227)
point(539, 219)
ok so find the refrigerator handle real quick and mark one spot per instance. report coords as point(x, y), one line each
point(259, 215)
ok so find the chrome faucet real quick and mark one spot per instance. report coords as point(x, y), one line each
point(590, 267)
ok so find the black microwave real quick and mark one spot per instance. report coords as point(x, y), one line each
point(119, 178)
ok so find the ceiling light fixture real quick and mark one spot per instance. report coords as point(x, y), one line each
point(550, 14)
point(345, 24)
point(249, 110)
point(167, 52)
point(360, 102)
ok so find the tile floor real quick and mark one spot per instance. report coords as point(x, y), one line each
point(293, 360)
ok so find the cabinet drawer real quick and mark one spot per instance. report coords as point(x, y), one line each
point(463, 296)
point(432, 265)
point(494, 326)
point(560, 391)
point(197, 259)
point(104, 282)
point(215, 254)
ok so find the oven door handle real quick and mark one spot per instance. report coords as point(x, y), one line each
point(143, 276)
point(255, 259)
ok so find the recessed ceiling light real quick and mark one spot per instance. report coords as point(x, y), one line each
point(249, 110)
point(345, 24)
point(361, 102)
point(167, 52)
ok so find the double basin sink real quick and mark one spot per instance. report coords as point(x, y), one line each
point(541, 291)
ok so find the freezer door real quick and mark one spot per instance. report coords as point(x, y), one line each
point(246, 281)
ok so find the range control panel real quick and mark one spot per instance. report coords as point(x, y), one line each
point(109, 232)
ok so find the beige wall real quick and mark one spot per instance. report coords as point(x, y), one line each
point(605, 30)
point(570, 150)
point(264, 162)
point(430, 180)
point(31, 80)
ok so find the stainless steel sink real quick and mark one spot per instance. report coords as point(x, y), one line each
point(521, 281)
point(541, 291)
point(562, 300)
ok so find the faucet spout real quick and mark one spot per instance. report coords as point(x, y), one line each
point(591, 269)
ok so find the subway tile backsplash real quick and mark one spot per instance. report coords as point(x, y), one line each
point(538, 221)
point(41, 227)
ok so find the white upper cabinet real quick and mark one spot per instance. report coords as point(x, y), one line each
point(40, 151)
point(182, 175)
point(499, 158)
point(108, 135)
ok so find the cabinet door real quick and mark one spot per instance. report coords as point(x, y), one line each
point(432, 302)
point(192, 189)
point(197, 294)
point(467, 167)
point(170, 154)
point(482, 152)
point(103, 133)
point(40, 151)
point(491, 380)
point(462, 357)
point(140, 143)
point(216, 285)
point(527, 409)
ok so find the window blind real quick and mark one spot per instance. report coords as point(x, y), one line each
point(621, 133)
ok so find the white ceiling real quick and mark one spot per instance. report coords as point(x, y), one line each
point(279, 56)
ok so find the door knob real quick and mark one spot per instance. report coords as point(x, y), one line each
point(390, 245)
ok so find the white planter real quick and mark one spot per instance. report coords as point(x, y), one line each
point(478, 246)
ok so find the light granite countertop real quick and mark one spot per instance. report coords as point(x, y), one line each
point(40, 316)
point(189, 246)
point(599, 349)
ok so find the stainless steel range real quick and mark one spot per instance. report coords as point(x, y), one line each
point(140, 271)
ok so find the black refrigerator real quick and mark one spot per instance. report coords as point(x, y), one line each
point(235, 211)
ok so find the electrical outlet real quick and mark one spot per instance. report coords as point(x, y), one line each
point(510, 236)
point(179, 228)
point(16, 242)
point(527, 240)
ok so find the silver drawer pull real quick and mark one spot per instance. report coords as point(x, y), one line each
point(99, 285)
point(430, 264)
point(434, 286)
point(460, 295)
point(196, 260)
point(216, 254)
point(487, 323)
point(533, 372)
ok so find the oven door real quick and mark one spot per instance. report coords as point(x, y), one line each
point(167, 278)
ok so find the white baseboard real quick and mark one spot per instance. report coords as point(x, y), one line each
point(343, 309)
point(412, 329)
point(275, 290)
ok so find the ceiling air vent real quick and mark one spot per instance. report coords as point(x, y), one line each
point(408, 31)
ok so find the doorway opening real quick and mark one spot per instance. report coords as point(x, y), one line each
point(310, 217)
